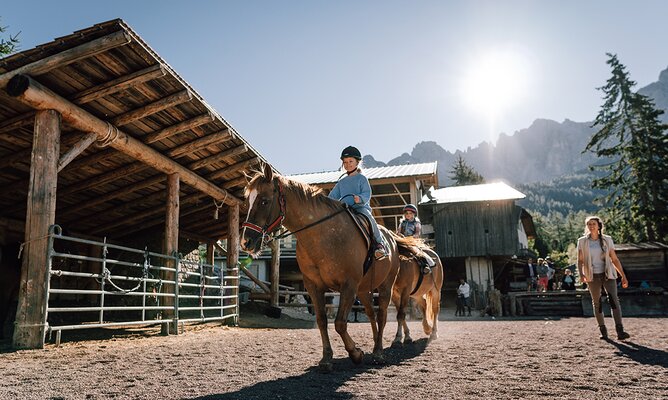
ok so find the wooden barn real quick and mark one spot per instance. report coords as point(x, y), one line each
point(100, 136)
point(480, 234)
point(644, 262)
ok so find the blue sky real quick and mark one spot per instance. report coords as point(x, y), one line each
point(300, 80)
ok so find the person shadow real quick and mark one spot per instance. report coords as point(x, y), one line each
point(313, 384)
point(641, 354)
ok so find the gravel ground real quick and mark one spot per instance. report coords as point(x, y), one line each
point(267, 358)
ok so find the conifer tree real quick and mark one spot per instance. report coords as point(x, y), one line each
point(464, 174)
point(632, 143)
point(7, 46)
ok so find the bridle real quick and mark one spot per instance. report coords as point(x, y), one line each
point(269, 231)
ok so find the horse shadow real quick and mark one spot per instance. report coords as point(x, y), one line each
point(313, 384)
point(641, 354)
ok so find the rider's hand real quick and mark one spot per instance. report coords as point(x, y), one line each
point(357, 199)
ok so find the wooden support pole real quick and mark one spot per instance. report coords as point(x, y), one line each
point(33, 295)
point(69, 56)
point(233, 247)
point(75, 150)
point(32, 93)
point(275, 247)
point(171, 248)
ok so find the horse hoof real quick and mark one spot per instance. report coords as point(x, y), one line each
point(378, 359)
point(325, 367)
point(408, 340)
point(432, 338)
point(396, 343)
point(357, 356)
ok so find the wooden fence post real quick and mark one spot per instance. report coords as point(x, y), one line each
point(41, 213)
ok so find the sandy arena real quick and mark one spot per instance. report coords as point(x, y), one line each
point(268, 358)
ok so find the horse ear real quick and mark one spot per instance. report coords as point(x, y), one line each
point(268, 173)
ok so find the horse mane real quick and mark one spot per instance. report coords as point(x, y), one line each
point(303, 191)
point(410, 241)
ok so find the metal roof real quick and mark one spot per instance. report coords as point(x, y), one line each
point(394, 171)
point(482, 192)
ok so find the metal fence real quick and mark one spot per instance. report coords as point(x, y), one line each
point(98, 284)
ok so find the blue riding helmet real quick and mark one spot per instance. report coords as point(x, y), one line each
point(410, 207)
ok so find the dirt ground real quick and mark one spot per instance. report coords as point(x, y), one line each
point(265, 358)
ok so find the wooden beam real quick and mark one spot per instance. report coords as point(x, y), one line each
point(152, 108)
point(218, 157)
point(34, 94)
point(200, 143)
point(69, 56)
point(31, 312)
point(234, 167)
point(17, 122)
point(178, 128)
point(75, 150)
point(119, 84)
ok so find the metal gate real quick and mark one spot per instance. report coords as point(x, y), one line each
point(98, 284)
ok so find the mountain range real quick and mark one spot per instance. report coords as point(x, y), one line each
point(542, 152)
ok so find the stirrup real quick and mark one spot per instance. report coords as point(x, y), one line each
point(426, 270)
point(380, 253)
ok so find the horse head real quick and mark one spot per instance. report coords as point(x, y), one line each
point(266, 210)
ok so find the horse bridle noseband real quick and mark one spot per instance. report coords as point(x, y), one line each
point(270, 228)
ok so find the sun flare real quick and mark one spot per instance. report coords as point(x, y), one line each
point(495, 82)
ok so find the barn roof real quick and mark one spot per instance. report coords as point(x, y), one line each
point(482, 192)
point(110, 72)
point(376, 173)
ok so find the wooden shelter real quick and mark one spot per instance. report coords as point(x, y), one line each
point(100, 135)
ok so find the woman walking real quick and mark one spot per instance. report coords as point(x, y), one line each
point(599, 267)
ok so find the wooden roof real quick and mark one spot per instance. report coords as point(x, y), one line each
point(110, 72)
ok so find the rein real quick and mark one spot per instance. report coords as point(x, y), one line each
point(269, 229)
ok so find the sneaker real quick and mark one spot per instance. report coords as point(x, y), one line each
point(380, 253)
point(604, 333)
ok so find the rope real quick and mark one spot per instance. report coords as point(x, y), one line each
point(30, 241)
point(112, 134)
point(312, 224)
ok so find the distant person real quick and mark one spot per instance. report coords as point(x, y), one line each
point(599, 267)
point(568, 281)
point(464, 290)
point(530, 274)
point(542, 275)
point(550, 273)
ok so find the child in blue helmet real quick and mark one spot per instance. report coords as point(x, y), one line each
point(354, 189)
point(410, 224)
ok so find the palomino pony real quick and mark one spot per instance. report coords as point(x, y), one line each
point(330, 253)
point(425, 289)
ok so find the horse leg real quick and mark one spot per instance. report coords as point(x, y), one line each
point(426, 322)
point(384, 296)
point(318, 298)
point(435, 300)
point(346, 300)
point(401, 314)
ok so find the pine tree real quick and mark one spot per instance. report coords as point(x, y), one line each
point(464, 174)
point(634, 144)
point(8, 46)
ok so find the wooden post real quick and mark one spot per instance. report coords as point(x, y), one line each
point(41, 213)
point(171, 248)
point(233, 252)
point(275, 263)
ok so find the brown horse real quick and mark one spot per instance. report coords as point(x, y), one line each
point(330, 253)
point(425, 289)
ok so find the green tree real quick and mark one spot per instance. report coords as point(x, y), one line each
point(633, 144)
point(7, 46)
point(464, 174)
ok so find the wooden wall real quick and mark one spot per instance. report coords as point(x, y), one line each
point(476, 228)
point(645, 265)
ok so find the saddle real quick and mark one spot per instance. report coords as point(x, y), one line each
point(364, 226)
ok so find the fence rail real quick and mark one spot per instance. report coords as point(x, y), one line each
point(98, 284)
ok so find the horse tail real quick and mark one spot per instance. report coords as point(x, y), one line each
point(429, 313)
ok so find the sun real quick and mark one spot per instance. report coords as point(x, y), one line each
point(495, 82)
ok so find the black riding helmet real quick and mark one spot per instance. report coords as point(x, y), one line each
point(351, 151)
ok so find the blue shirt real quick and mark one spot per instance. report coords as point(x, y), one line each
point(351, 185)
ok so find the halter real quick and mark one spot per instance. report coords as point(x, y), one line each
point(269, 229)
